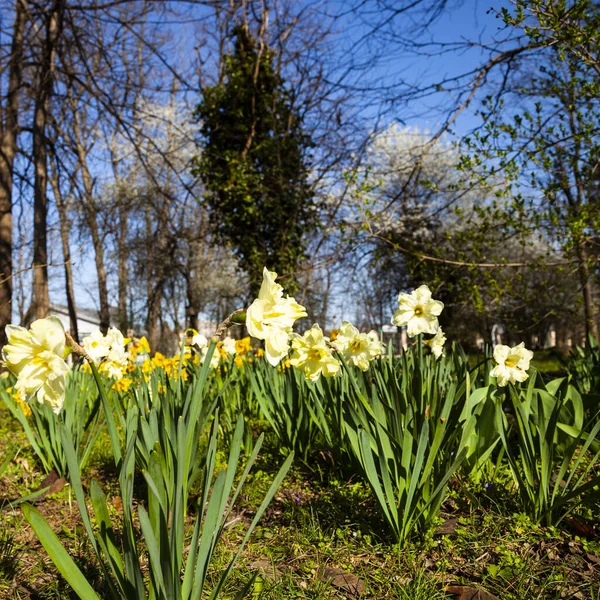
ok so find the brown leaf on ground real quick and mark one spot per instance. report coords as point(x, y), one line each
point(581, 528)
point(49, 479)
point(341, 579)
point(465, 592)
point(447, 527)
point(53, 482)
point(267, 568)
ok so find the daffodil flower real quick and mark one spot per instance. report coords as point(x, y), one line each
point(37, 358)
point(418, 311)
point(357, 348)
point(229, 345)
point(271, 317)
point(436, 343)
point(96, 345)
point(512, 364)
point(312, 355)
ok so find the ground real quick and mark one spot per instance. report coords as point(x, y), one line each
point(322, 537)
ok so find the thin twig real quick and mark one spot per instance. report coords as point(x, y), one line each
point(77, 349)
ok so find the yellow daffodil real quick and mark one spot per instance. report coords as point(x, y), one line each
point(22, 404)
point(512, 364)
point(357, 348)
point(123, 384)
point(312, 355)
point(418, 311)
point(436, 343)
point(243, 346)
point(139, 348)
point(37, 358)
point(271, 317)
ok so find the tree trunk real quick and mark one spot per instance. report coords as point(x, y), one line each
point(41, 297)
point(92, 222)
point(8, 148)
point(588, 291)
point(123, 274)
point(64, 238)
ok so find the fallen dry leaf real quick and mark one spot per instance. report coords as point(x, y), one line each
point(465, 592)
point(343, 580)
point(447, 527)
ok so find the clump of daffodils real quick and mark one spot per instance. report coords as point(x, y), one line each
point(513, 364)
point(36, 356)
point(312, 355)
point(108, 351)
point(418, 311)
point(271, 317)
point(357, 348)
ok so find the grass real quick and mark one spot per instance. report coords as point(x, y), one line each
point(323, 538)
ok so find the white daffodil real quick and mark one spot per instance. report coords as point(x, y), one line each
point(418, 311)
point(229, 345)
point(196, 339)
point(109, 350)
point(512, 364)
point(436, 343)
point(312, 355)
point(357, 348)
point(271, 317)
point(115, 364)
point(215, 359)
point(96, 345)
point(37, 358)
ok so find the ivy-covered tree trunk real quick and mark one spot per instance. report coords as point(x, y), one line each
point(255, 163)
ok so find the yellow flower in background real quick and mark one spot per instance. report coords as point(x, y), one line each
point(37, 358)
point(160, 360)
point(243, 346)
point(436, 343)
point(123, 384)
point(418, 311)
point(221, 351)
point(271, 317)
point(144, 345)
point(312, 355)
point(357, 348)
point(512, 364)
point(139, 348)
point(239, 361)
point(22, 404)
point(259, 353)
point(333, 334)
point(147, 366)
point(284, 364)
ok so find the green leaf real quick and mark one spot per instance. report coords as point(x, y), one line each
point(60, 557)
